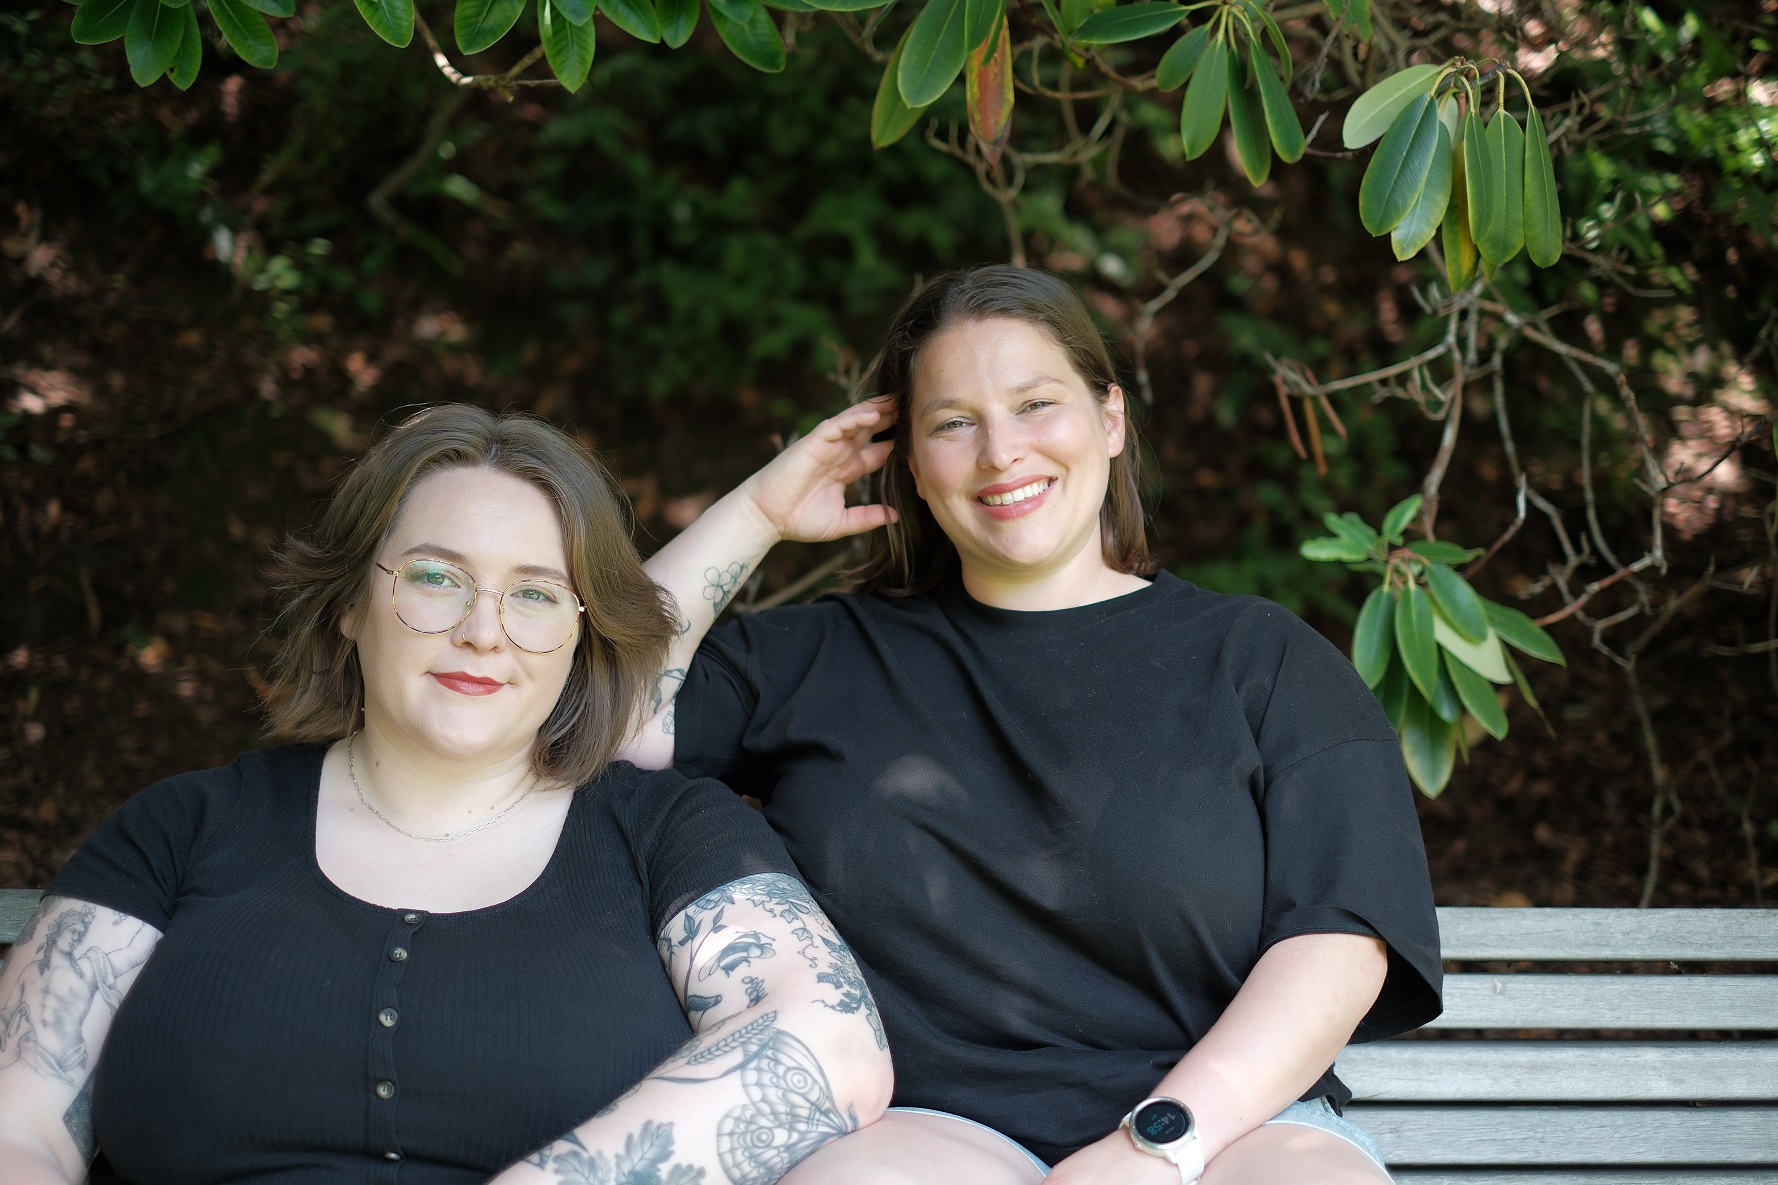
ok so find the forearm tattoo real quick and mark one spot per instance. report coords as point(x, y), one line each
point(83, 962)
point(790, 1109)
point(721, 584)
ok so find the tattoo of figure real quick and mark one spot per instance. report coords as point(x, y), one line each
point(667, 687)
point(667, 721)
point(756, 989)
point(721, 584)
point(67, 976)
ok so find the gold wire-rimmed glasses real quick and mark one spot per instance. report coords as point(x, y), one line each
point(435, 597)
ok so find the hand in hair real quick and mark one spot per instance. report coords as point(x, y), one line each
point(801, 493)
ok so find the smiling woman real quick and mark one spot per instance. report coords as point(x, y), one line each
point(445, 934)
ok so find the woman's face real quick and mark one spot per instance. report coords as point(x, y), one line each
point(468, 695)
point(1010, 449)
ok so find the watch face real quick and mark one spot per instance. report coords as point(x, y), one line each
point(1161, 1122)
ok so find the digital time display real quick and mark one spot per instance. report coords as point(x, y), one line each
point(1162, 1122)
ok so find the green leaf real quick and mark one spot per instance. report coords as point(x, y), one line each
point(392, 20)
point(1177, 63)
point(756, 42)
point(1453, 597)
point(1446, 704)
point(1487, 658)
point(1478, 696)
point(1423, 221)
point(480, 23)
point(679, 19)
point(1393, 692)
point(980, 17)
point(99, 21)
point(637, 18)
point(1441, 552)
point(247, 32)
point(1333, 550)
point(1200, 119)
point(176, 3)
point(933, 54)
point(1356, 11)
point(1277, 36)
point(1350, 526)
point(1049, 8)
point(735, 10)
point(1253, 144)
point(1128, 22)
point(278, 8)
point(1286, 129)
point(185, 67)
point(1543, 216)
point(1076, 11)
point(151, 40)
point(1428, 745)
point(1524, 685)
point(1373, 639)
point(845, 5)
point(575, 12)
point(568, 46)
point(1399, 169)
point(1497, 189)
point(1454, 237)
point(1374, 112)
point(1399, 516)
point(1414, 637)
point(890, 118)
point(1521, 633)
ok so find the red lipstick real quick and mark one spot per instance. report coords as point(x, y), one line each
point(463, 683)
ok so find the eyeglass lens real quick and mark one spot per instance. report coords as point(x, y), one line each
point(432, 596)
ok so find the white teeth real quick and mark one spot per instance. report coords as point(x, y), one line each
point(1018, 495)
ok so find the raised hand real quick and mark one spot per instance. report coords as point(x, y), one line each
point(802, 492)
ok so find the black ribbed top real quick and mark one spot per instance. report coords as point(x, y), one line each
point(284, 1031)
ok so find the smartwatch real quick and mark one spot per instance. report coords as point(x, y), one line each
point(1164, 1127)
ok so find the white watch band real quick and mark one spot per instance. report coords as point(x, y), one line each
point(1186, 1154)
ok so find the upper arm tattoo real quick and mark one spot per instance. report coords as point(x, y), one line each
point(84, 962)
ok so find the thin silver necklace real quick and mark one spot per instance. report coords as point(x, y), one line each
point(447, 837)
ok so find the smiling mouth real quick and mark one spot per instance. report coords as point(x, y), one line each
point(1012, 497)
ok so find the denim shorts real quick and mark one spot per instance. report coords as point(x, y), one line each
point(1317, 1113)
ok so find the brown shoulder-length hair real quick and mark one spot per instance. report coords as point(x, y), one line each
point(316, 689)
point(913, 555)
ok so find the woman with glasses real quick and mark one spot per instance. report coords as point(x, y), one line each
point(1126, 861)
point(443, 935)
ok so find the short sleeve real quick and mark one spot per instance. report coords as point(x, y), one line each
point(693, 835)
point(1343, 846)
point(138, 860)
point(743, 674)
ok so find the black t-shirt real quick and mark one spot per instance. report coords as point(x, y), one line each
point(1059, 841)
point(251, 1046)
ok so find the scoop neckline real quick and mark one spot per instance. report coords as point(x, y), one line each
point(312, 826)
point(957, 594)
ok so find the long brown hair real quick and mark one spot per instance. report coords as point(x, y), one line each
point(316, 689)
point(913, 555)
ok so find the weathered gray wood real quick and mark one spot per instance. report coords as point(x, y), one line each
point(1557, 1136)
point(1668, 1176)
point(1609, 1002)
point(1561, 1071)
point(1579, 935)
point(15, 906)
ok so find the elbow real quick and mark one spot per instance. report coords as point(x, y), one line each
point(866, 1076)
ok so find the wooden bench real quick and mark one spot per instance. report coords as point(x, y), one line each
point(1510, 1108)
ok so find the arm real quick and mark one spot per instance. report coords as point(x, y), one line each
point(1284, 1027)
point(788, 1053)
point(801, 496)
point(70, 969)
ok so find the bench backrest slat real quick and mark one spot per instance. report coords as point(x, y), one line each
point(1562, 1071)
point(1609, 1002)
point(16, 907)
point(1627, 935)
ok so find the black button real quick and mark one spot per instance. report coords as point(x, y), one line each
point(411, 919)
point(387, 1018)
point(399, 954)
point(391, 1156)
point(385, 1089)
